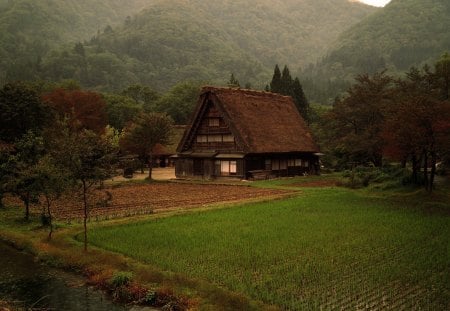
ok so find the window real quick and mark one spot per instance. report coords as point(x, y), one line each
point(306, 163)
point(214, 122)
point(275, 165)
point(215, 138)
point(202, 138)
point(268, 164)
point(228, 138)
point(298, 162)
point(233, 167)
point(291, 162)
point(283, 164)
point(228, 168)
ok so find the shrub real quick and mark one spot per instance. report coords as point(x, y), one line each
point(364, 176)
point(120, 279)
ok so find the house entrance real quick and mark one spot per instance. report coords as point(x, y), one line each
point(198, 167)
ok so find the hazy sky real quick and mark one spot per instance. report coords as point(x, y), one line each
point(376, 2)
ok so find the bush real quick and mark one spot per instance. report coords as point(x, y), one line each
point(120, 279)
point(364, 176)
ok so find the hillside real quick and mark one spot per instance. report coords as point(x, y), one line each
point(29, 29)
point(405, 33)
point(173, 40)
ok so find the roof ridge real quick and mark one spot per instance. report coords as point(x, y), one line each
point(211, 88)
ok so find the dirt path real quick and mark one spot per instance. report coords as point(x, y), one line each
point(159, 173)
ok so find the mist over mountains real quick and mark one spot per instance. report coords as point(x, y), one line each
point(405, 33)
point(107, 45)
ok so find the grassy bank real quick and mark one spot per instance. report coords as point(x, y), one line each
point(329, 247)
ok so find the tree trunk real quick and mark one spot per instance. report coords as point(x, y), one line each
point(49, 212)
point(403, 162)
point(433, 171)
point(150, 166)
point(425, 169)
point(85, 215)
point(142, 166)
point(415, 169)
point(27, 206)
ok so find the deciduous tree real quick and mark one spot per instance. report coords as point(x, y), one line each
point(121, 110)
point(142, 135)
point(52, 181)
point(21, 110)
point(142, 95)
point(82, 109)
point(88, 158)
point(417, 127)
point(180, 101)
point(22, 180)
point(355, 123)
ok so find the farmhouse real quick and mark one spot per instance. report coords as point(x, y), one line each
point(246, 134)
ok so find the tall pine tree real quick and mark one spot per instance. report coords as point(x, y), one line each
point(275, 85)
point(286, 82)
point(300, 99)
point(282, 83)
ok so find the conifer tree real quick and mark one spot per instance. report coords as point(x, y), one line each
point(286, 82)
point(282, 83)
point(300, 99)
point(275, 85)
point(233, 82)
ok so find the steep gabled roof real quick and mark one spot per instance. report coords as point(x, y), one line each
point(263, 122)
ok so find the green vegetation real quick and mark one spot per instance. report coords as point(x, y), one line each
point(29, 30)
point(403, 34)
point(386, 119)
point(169, 42)
point(328, 247)
point(283, 83)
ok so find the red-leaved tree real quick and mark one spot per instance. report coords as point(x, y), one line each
point(82, 109)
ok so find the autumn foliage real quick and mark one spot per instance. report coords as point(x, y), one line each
point(82, 109)
point(405, 120)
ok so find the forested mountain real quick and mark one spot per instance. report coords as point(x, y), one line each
point(170, 41)
point(29, 29)
point(405, 33)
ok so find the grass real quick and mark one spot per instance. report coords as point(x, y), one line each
point(327, 248)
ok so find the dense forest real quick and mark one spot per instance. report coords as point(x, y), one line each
point(107, 47)
point(405, 33)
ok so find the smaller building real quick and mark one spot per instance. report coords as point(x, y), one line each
point(162, 154)
point(246, 134)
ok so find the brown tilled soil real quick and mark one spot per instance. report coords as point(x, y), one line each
point(316, 183)
point(141, 199)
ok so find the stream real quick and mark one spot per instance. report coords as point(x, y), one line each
point(29, 284)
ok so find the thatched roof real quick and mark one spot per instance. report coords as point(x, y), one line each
point(262, 122)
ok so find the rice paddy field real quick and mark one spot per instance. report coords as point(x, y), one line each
point(325, 249)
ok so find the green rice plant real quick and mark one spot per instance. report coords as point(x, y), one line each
point(326, 247)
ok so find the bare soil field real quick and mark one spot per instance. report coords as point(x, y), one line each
point(316, 183)
point(140, 199)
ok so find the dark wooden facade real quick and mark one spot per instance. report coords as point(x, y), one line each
point(222, 139)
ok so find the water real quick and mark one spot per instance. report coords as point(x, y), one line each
point(38, 286)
